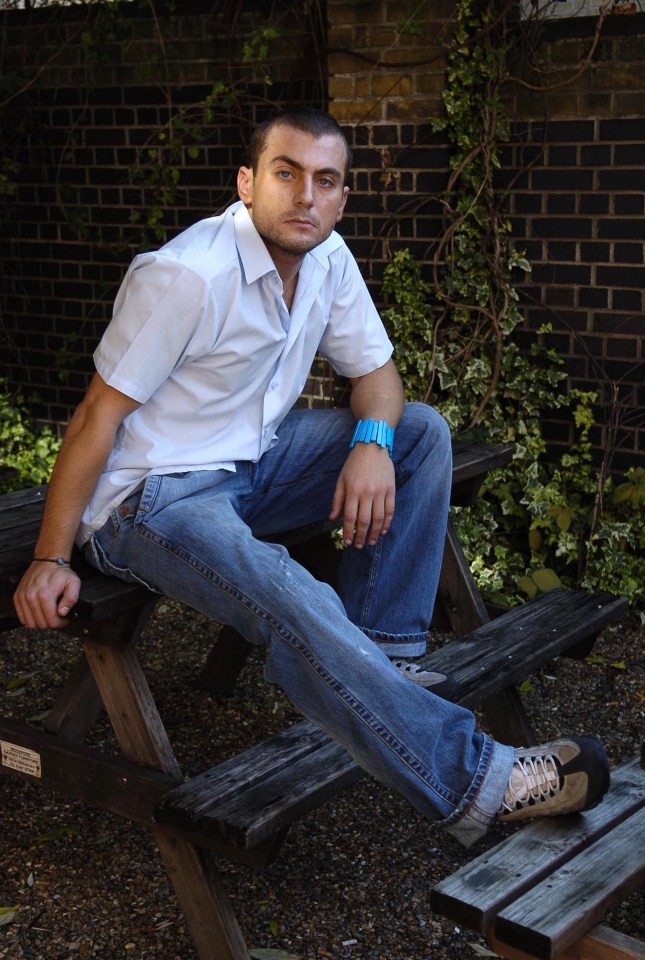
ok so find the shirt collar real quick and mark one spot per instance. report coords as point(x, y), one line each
point(254, 255)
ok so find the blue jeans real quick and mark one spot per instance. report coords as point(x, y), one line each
point(193, 537)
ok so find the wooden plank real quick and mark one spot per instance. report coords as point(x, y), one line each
point(102, 597)
point(471, 462)
point(77, 706)
point(507, 718)
point(229, 779)
point(228, 655)
point(12, 503)
point(143, 739)
point(113, 784)
point(601, 943)
point(252, 796)
point(474, 895)
point(279, 800)
point(126, 789)
point(474, 459)
point(575, 897)
point(203, 900)
point(459, 597)
point(130, 706)
point(530, 635)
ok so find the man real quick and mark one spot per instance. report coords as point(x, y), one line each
point(185, 451)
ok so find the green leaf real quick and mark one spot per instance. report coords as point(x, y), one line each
point(482, 951)
point(528, 587)
point(19, 681)
point(546, 579)
point(37, 717)
point(564, 518)
point(56, 834)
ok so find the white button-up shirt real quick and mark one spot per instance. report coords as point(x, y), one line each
point(202, 338)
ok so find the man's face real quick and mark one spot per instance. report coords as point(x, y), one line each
point(296, 195)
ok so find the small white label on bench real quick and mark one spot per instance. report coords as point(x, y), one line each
point(20, 758)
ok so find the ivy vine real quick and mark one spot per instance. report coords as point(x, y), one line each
point(536, 525)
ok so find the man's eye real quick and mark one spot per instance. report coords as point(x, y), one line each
point(284, 174)
point(326, 182)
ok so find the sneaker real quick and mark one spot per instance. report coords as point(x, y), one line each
point(439, 683)
point(564, 776)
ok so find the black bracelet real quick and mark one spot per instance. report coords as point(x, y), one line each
point(59, 561)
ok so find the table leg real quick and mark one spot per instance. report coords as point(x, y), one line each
point(143, 739)
point(465, 610)
point(458, 595)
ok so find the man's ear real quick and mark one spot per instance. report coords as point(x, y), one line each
point(342, 204)
point(245, 185)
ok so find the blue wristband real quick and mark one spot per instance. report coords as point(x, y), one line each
point(373, 431)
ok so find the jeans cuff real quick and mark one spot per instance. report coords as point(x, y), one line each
point(470, 824)
point(398, 644)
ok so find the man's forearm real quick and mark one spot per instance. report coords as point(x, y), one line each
point(378, 395)
point(74, 478)
point(85, 450)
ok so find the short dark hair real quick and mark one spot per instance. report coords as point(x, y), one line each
point(316, 122)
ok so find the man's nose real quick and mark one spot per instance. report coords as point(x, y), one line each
point(305, 194)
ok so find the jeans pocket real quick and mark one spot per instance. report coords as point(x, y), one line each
point(148, 498)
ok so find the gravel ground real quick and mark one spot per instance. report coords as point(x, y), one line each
point(353, 879)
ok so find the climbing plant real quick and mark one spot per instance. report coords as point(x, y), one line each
point(536, 524)
point(27, 452)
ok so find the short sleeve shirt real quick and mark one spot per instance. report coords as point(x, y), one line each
point(202, 339)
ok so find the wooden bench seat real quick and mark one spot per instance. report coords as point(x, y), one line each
point(261, 791)
point(540, 891)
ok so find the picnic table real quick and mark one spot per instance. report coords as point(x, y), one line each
point(242, 808)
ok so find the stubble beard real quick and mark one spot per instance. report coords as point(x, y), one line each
point(275, 239)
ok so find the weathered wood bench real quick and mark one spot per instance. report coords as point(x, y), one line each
point(544, 891)
point(249, 798)
point(243, 807)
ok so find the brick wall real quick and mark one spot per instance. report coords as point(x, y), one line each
point(81, 136)
point(576, 185)
point(579, 214)
point(578, 209)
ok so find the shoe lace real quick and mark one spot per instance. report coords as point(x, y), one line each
point(533, 780)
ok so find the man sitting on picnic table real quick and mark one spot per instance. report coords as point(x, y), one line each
point(185, 451)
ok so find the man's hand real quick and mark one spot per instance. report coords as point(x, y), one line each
point(45, 595)
point(365, 494)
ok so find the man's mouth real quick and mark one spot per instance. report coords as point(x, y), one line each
point(301, 221)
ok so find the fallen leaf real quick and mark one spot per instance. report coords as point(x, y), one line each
point(6, 915)
point(483, 951)
point(57, 834)
point(37, 717)
point(19, 681)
